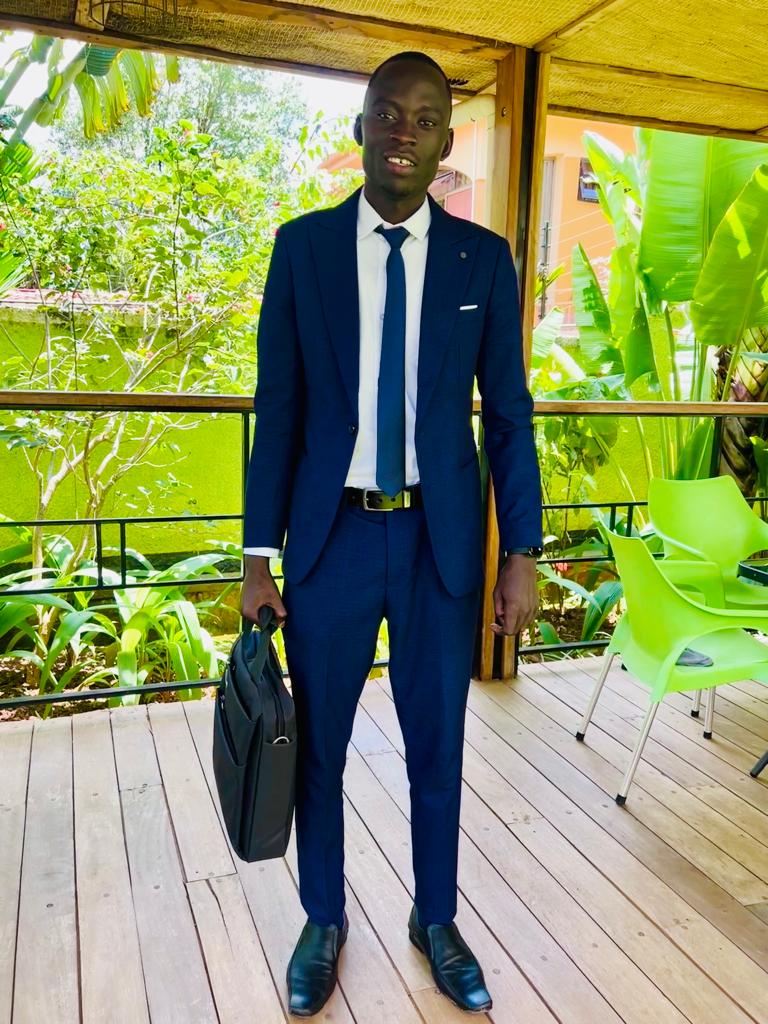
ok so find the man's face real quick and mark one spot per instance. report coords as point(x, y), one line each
point(405, 129)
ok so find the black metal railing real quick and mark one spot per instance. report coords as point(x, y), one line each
point(242, 406)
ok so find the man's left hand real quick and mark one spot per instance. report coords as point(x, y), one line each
point(515, 596)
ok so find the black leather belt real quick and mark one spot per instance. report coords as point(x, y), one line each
point(377, 501)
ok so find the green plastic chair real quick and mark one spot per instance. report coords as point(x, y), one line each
point(660, 623)
point(709, 521)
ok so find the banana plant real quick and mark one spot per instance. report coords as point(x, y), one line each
point(106, 79)
point(688, 275)
point(703, 244)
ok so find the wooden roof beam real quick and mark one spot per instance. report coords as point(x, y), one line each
point(642, 121)
point(584, 21)
point(742, 93)
point(127, 41)
point(281, 12)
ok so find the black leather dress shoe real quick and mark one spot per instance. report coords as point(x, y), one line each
point(313, 967)
point(457, 973)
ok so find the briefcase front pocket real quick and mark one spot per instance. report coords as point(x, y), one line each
point(274, 803)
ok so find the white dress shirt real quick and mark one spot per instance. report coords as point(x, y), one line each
point(372, 252)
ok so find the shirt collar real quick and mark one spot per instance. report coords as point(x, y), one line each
point(368, 220)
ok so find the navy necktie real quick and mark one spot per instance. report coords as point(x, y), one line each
point(390, 428)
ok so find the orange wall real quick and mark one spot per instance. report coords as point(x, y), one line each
point(573, 220)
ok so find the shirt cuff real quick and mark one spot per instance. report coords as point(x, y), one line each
point(271, 552)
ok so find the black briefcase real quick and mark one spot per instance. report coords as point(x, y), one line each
point(254, 745)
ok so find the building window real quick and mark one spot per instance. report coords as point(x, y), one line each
point(587, 182)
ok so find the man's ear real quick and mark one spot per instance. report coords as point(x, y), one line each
point(357, 130)
point(448, 145)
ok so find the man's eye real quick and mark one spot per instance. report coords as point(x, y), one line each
point(384, 114)
point(428, 124)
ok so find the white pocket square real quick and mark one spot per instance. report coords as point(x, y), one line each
point(462, 308)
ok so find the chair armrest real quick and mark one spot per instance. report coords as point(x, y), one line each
point(704, 577)
point(673, 546)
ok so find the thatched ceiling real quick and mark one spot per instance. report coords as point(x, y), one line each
point(696, 63)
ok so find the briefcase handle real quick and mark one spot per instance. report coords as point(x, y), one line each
point(267, 626)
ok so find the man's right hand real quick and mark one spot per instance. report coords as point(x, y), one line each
point(259, 589)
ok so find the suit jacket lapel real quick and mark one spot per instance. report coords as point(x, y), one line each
point(333, 238)
point(450, 257)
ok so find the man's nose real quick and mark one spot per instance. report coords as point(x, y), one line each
point(403, 132)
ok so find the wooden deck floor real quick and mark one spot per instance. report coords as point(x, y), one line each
point(121, 900)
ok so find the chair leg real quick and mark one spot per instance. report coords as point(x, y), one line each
point(760, 766)
point(710, 715)
point(607, 662)
point(621, 796)
point(696, 707)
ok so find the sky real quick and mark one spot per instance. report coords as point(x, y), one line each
point(332, 96)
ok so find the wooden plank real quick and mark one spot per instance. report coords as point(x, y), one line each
point(508, 145)
point(46, 981)
point(546, 778)
point(300, 16)
point(745, 94)
point(742, 699)
point(279, 917)
point(691, 766)
point(643, 975)
point(677, 706)
point(385, 812)
point(372, 985)
point(660, 123)
point(651, 890)
point(174, 970)
point(569, 994)
point(487, 636)
point(203, 850)
point(671, 915)
point(237, 967)
point(367, 737)
point(268, 886)
point(579, 24)
point(105, 913)
point(535, 192)
point(591, 758)
point(15, 748)
point(135, 41)
point(100, 401)
point(135, 755)
point(669, 718)
point(569, 863)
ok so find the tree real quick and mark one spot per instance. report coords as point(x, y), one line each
point(242, 109)
point(105, 78)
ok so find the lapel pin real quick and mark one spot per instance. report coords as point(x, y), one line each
point(462, 255)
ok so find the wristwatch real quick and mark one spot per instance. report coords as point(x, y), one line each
point(530, 552)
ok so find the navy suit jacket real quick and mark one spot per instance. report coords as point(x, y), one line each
point(306, 399)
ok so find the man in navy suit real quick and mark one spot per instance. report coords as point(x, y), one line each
point(377, 316)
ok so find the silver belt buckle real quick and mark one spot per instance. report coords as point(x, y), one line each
point(406, 501)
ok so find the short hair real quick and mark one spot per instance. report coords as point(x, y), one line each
point(420, 58)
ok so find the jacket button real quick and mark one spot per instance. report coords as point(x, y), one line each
point(352, 428)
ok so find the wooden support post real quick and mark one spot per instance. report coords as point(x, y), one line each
point(519, 131)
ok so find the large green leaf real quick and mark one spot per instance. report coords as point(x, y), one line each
point(617, 176)
point(545, 334)
point(692, 181)
point(592, 315)
point(732, 292)
point(695, 460)
point(607, 597)
point(638, 349)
